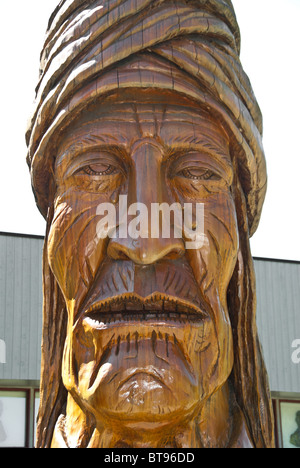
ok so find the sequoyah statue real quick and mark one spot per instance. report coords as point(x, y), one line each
point(148, 343)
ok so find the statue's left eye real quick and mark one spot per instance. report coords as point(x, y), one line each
point(100, 169)
point(198, 173)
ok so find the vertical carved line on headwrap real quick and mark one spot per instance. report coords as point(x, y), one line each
point(85, 57)
point(53, 395)
point(249, 375)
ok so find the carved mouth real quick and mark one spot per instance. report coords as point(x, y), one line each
point(100, 320)
point(133, 309)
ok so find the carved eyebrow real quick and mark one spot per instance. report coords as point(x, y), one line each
point(90, 140)
point(105, 142)
point(221, 161)
point(192, 140)
point(182, 144)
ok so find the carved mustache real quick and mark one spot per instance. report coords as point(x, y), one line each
point(167, 287)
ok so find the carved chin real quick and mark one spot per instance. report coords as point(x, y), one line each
point(147, 369)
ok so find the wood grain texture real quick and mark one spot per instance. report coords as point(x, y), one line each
point(146, 342)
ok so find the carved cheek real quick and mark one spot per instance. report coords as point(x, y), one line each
point(213, 267)
point(222, 234)
point(214, 262)
point(74, 250)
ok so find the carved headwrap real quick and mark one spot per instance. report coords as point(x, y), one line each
point(97, 47)
point(93, 48)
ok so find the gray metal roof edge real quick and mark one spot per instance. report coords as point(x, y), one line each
point(33, 236)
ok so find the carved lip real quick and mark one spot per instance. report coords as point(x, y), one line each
point(146, 373)
point(153, 309)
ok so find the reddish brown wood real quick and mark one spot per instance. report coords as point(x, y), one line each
point(148, 343)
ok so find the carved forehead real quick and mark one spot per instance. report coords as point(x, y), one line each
point(124, 123)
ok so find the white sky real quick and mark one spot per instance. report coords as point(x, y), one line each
point(271, 57)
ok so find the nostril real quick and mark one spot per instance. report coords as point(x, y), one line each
point(174, 254)
point(145, 252)
point(116, 253)
point(122, 255)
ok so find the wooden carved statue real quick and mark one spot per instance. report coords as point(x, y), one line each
point(147, 341)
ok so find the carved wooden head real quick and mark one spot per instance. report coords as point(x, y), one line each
point(148, 342)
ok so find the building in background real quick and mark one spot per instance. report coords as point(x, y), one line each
point(278, 318)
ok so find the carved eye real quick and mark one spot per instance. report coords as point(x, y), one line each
point(100, 169)
point(199, 173)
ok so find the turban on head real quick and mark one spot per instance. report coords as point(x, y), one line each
point(93, 48)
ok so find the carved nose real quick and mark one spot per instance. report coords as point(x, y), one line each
point(146, 251)
point(147, 186)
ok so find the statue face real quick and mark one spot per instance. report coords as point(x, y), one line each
point(149, 337)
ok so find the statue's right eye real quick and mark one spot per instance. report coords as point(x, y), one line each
point(100, 169)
